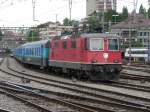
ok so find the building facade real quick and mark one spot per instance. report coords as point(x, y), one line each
point(49, 30)
point(99, 6)
point(134, 31)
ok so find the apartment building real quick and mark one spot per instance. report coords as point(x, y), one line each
point(99, 6)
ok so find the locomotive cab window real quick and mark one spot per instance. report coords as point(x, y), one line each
point(96, 44)
point(55, 44)
point(64, 44)
point(113, 44)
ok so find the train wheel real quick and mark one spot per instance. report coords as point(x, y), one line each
point(73, 78)
point(85, 77)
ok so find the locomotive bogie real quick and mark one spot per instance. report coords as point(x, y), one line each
point(91, 71)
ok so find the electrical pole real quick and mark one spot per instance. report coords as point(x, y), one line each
point(135, 6)
point(33, 6)
point(56, 25)
point(130, 30)
point(148, 45)
point(114, 4)
point(130, 45)
point(103, 14)
point(70, 8)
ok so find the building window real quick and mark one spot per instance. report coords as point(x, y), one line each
point(145, 33)
point(141, 40)
point(64, 44)
point(145, 40)
point(141, 33)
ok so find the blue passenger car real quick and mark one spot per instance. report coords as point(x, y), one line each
point(34, 53)
point(17, 52)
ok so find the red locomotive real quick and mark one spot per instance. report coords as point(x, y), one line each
point(94, 56)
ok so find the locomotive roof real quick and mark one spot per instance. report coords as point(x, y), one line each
point(100, 35)
point(88, 35)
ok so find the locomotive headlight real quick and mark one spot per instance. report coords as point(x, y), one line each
point(105, 55)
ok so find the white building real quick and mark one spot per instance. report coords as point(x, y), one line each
point(50, 29)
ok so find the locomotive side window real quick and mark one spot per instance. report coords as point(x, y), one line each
point(113, 44)
point(64, 44)
point(96, 44)
point(55, 44)
point(73, 44)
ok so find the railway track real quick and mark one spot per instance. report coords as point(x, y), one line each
point(142, 69)
point(128, 86)
point(142, 78)
point(17, 92)
point(74, 105)
point(77, 87)
point(4, 110)
point(139, 65)
point(125, 75)
point(31, 89)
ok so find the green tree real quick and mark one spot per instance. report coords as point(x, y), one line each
point(148, 12)
point(124, 13)
point(136, 44)
point(7, 50)
point(75, 23)
point(109, 16)
point(142, 10)
point(94, 24)
point(33, 35)
point(67, 22)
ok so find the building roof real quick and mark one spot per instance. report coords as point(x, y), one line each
point(132, 23)
point(99, 35)
point(45, 24)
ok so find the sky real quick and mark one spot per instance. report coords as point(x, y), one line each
point(20, 12)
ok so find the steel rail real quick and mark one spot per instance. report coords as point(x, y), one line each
point(79, 97)
point(78, 85)
point(139, 106)
point(87, 92)
point(25, 101)
point(81, 107)
point(125, 75)
point(5, 110)
point(137, 69)
point(128, 86)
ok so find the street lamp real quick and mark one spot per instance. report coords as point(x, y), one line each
point(115, 17)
